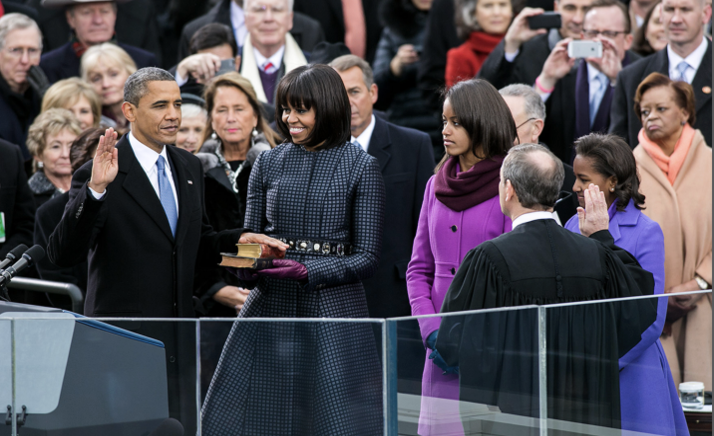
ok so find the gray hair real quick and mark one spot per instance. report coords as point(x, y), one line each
point(535, 183)
point(534, 106)
point(290, 4)
point(345, 62)
point(15, 21)
point(135, 86)
point(189, 110)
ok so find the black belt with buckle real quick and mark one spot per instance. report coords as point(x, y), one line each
point(314, 246)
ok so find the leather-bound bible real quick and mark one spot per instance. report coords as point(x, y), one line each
point(261, 251)
point(253, 256)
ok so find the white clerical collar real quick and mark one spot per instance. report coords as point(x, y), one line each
point(531, 216)
point(365, 136)
point(145, 155)
point(694, 59)
point(238, 22)
point(276, 59)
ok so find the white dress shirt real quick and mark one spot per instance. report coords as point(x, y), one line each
point(147, 159)
point(238, 22)
point(276, 59)
point(694, 60)
point(531, 216)
point(365, 137)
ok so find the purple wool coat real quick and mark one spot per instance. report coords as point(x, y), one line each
point(442, 240)
point(649, 401)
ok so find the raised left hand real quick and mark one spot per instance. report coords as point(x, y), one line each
point(285, 269)
point(594, 217)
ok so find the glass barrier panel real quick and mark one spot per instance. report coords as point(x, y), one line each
point(479, 375)
point(618, 366)
point(291, 376)
point(6, 377)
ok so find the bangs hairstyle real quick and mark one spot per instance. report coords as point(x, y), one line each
point(611, 156)
point(317, 87)
point(49, 123)
point(683, 94)
point(66, 93)
point(484, 114)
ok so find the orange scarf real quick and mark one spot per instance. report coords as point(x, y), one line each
point(670, 165)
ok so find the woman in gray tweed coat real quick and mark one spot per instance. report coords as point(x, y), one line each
point(325, 198)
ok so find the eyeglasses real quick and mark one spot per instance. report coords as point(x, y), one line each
point(262, 9)
point(590, 34)
point(521, 125)
point(18, 52)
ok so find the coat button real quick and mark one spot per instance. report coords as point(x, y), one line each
point(453, 271)
point(454, 228)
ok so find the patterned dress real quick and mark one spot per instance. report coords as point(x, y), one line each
point(306, 378)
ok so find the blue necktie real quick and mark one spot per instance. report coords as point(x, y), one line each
point(166, 195)
point(601, 83)
point(682, 68)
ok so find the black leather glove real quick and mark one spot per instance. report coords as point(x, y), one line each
point(37, 80)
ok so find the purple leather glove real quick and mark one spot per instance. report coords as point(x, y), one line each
point(285, 269)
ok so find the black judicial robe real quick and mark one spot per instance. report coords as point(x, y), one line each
point(541, 263)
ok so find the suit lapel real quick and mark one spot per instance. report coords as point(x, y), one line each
point(137, 185)
point(181, 178)
point(582, 102)
point(703, 78)
point(379, 143)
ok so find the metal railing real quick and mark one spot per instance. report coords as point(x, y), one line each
point(36, 285)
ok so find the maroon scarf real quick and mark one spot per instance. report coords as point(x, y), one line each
point(466, 189)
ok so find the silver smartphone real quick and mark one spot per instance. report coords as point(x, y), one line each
point(585, 49)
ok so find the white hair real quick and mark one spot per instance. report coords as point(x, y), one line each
point(15, 21)
point(189, 110)
point(290, 4)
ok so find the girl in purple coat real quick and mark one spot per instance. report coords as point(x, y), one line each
point(460, 210)
point(649, 400)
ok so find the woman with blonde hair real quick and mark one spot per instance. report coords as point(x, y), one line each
point(236, 133)
point(49, 140)
point(78, 97)
point(107, 67)
point(675, 165)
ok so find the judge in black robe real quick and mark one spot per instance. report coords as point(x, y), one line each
point(539, 263)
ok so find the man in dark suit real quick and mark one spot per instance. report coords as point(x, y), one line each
point(20, 49)
point(136, 24)
point(92, 24)
point(306, 31)
point(136, 214)
point(540, 262)
point(17, 207)
point(330, 14)
point(580, 97)
point(406, 159)
point(523, 51)
point(687, 57)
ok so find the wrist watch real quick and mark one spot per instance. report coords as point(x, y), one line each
point(701, 283)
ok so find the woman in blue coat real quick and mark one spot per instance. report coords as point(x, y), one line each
point(324, 197)
point(649, 400)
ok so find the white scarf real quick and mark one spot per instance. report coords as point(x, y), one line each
point(292, 59)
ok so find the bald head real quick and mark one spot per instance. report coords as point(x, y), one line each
point(536, 175)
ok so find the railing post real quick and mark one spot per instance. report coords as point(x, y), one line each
point(389, 356)
point(542, 372)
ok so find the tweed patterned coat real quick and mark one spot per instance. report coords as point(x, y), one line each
point(300, 378)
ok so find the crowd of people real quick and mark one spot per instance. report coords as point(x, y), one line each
point(389, 148)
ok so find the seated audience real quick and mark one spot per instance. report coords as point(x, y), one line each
point(478, 131)
point(92, 24)
point(578, 92)
point(649, 400)
point(528, 111)
point(49, 141)
point(395, 67)
point(306, 31)
point(238, 134)
point(519, 58)
point(78, 97)
point(675, 165)
point(269, 51)
point(50, 214)
point(193, 123)
point(688, 57)
point(483, 24)
point(107, 67)
point(20, 48)
point(650, 37)
point(538, 263)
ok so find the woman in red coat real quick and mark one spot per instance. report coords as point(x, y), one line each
point(483, 23)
